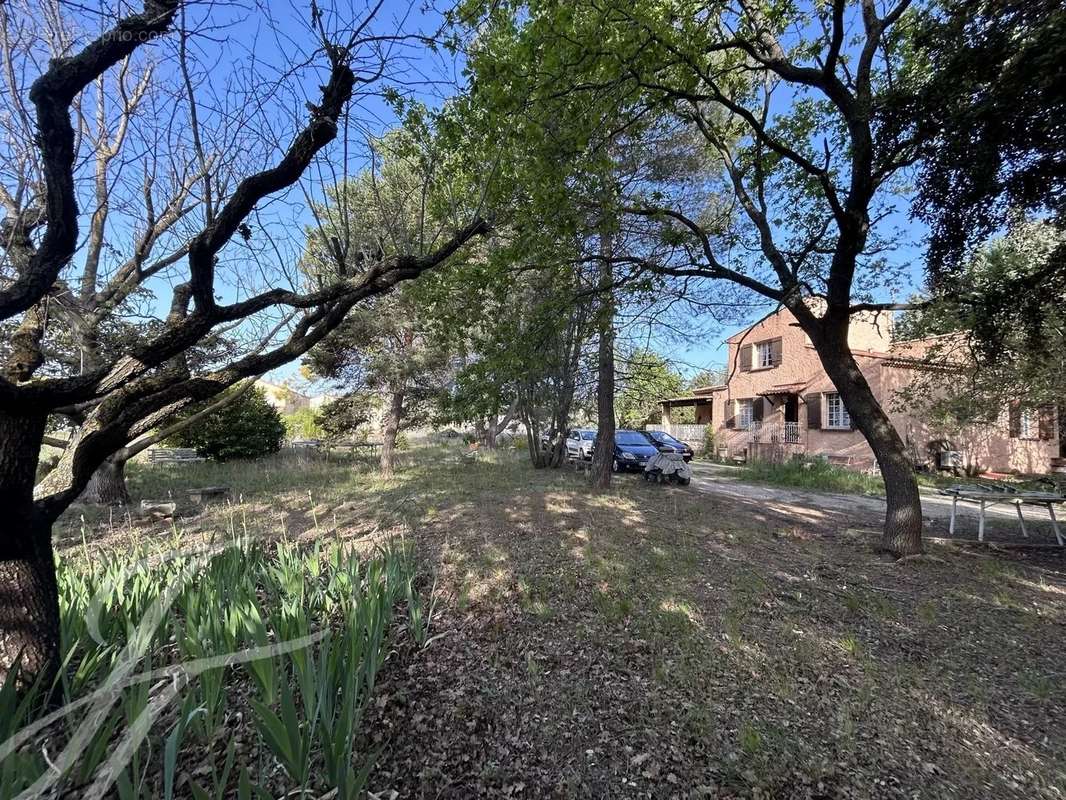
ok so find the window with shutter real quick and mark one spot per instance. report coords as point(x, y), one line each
point(745, 358)
point(756, 409)
point(1014, 421)
point(764, 355)
point(1046, 424)
point(744, 414)
point(814, 410)
point(836, 415)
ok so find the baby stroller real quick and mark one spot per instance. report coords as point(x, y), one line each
point(668, 466)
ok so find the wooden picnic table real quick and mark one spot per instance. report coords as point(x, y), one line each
point(986, 496)
point(356, 447)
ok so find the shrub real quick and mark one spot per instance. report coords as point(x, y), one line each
point(708, 443)
point(248, 427)
point(303, 424)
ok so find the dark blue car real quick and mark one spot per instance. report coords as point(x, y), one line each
point(663, 440)
point(632, 449)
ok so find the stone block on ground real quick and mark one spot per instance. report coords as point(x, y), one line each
point(206, 493)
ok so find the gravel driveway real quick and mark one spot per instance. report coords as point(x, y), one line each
point(1001, 521)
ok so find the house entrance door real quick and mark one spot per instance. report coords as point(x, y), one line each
point(791, 408)
point(791, 419)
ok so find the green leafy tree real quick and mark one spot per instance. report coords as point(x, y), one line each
point(529, 352)
point(248, 427)
point(713, 376)
point(564, 162)
point(645, 379)
point(388, 349)
point(1000, 351)
point(302, 424)
point(798, 113)
point(345, 418)
point(980, 94)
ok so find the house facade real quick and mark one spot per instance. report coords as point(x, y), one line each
point(288, 400)
point(778, 402)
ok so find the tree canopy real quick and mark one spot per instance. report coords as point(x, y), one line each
point(645, 378)
point(1005, 350)
point(981, 84)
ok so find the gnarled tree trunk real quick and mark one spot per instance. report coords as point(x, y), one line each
point(902, 532)
point(29, 599)
point(107, 486)
point(495, 425)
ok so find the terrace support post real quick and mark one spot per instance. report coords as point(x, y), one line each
point(1021, 519)
point(1055, 524)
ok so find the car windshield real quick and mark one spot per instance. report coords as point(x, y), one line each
point(629, 437)
point(588, 436)
point(662, 436)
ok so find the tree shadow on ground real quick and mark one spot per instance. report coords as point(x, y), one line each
point(655, 641)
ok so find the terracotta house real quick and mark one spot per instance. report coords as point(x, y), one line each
point(779, 402)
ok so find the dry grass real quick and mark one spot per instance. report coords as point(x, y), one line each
point(656, 642)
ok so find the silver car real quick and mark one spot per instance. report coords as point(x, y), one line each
point(579, 444)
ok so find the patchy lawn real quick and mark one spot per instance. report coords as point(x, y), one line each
point(821, 476)
point(813, 474)
point(657, 642)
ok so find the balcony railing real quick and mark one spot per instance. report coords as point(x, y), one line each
point(774, 432)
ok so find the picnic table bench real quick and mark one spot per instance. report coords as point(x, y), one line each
point(986, 496)
point(356, 448)
point(173, 455)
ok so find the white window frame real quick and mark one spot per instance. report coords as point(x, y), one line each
point(764, 355)
point(842, 421)
point(745, 409)
point(1028, 424)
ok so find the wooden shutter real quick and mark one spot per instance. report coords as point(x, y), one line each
point(814, 410)
point(756, 409)
point(745, 358)
point(1014, 422)
point(775, 352)
point(731, 421)
point(1047, 422)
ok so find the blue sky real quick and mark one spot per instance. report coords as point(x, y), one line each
point(432, 77)
point(710, 350)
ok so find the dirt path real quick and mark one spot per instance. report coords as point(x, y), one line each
point(724, 480)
